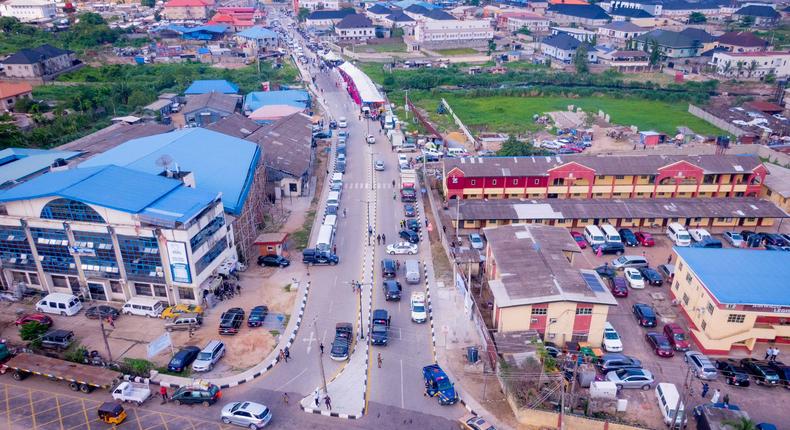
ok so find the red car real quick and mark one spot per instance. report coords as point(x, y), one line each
point(618, 286)
point(579, 239)
point(645, 239)
point(660, 344)
point(677, 337)
point(39, 318)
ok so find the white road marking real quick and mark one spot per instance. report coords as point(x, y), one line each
point(310, 341)
point(293, 379)
point(402, 401)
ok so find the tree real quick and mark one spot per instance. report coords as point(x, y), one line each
point(768, 79)
point(697, 18)
point(580, 60)
point(147, 3)
point(303, 13)
point(9, 24)
point(491, 46)
point(747, 21)
point(655, 53)
point(32, 332)
point(139, 98)
point(516, 148)
point(524, 30)
point(752, 68)
point(742, 423)
point(396, 31)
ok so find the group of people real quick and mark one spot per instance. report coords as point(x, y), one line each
point(284, 355)
point(381, 239)
point(771, 353)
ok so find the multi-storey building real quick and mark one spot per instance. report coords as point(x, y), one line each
point(29, 10)
point(585, 177)
point(754, 65)
point(152, 235)
point(43, 62)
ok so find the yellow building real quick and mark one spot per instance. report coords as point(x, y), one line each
point(733, 298)
point(530, 273)
point(777, 186)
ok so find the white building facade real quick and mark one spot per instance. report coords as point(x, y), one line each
point(453, 33)
point(29, 10)
point(751, 65)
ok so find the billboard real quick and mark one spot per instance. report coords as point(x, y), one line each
point(179, 263)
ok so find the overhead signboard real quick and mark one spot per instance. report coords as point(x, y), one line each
point(179, 262)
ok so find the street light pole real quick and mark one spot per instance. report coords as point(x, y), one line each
point(320, 359)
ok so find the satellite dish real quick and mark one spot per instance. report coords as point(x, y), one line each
point(164, 161)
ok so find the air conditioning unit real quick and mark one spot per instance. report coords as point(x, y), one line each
point(534, 320)
point(552, 320)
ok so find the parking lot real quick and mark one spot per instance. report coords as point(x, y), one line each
point(759, 402)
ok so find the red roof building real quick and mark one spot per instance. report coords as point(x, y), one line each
point(187, 9)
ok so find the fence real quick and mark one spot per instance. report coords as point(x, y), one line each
point(424, 121)
point(461, 125)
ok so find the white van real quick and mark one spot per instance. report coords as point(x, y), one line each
point(331, 220)
point(457, 152)
point(668, 396)
point(389, 122)
point(678, 234)
point(610, 233)
point(144, 307)
point(326, 235)
point(337, 182)
point(594, 235)
point(333, 199)
point(60, 304)
point(412, 271)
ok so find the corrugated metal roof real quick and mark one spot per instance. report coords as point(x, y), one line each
point(221, 163)
point(216, 85)
point(19, 163)
point(258, 33)
point(258, 99)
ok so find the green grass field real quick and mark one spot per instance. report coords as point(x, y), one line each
point(457, 51)
point(384, 47)
point(514, 114)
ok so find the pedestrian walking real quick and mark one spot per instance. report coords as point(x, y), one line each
point(669, 259)
point(285, 398)
point(344, 212)
point(334, 249)
point(111, 321)
point(397, 264)
point(328, 402)
point(705, 388)
point(716, 395)
point(389, 320)
point(426, 222)
point(282, 356)
point(287, 354)
point(316, 396)
point(379, 360)
point(383, 238)
point(394, 196)
point(726, 400)
point(370, 231)
point(775, 354)
point(444, 229)
point(768, 353)
point(163, 393)
point(599, 253)
point(321, 347)
point(378, 239)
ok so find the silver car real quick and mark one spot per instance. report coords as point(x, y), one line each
point(701, 366)
point(631, 378)
point(246, 414)
point(379, 165)
point(735, 239)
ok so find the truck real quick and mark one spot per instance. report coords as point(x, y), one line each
point(129, 391)
point(80, 377)
point(396, 139)
point(408, 185)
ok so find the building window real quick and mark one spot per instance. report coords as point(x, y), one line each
point(680, 266)
point(583, 311)
point(493, 182)
point(704, 325)
point(142, 289)
point(619, 177)
point(140, 257)
point(537, 181)
point(515, 181)
point(579, 337)
point(736, 318)
point(70, 210)
point(115, 287)
point(688, 277)
point(711, 308)
point(211, 255)
point(160, 290)
point(685, 299)
point(539, 311)
point(472, 182)
point(677, 285)
point(186, 293)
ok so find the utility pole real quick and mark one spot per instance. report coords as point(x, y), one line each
point(104, 337)
point(320, 359)
point(682, 397)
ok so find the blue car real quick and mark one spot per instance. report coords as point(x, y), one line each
point(438, 385)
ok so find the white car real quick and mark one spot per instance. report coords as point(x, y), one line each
point(548, 144)
point(371, 138)
point(342, 122)
point(379, 165)
point(402, 248)
point(699, 234)
point(735, 239)
point(246, 414)
point(611, 339)
point(476, 241)
point(634, 278)
point(419, 314)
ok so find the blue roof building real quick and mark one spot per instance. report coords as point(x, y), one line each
point(201, 32)
point(258, 99)
point(220, 163)
point(732, 297)
point(212, 85)
point(258, 33)
point(19, 164)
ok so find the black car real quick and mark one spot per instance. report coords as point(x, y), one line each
point(311, 256)
point(195, 394)
point(552, 349)
point(628, 237)
point(733, 373)
point(342, 344)
point(392, 290)
point(230, 311)
point(257, 315)
point(775, 239)
point(102, 311)
point(645, 315)
point(388, 268)
point(322, 135)
point(609, 248)
point(380, 327)
point(410, 236)
point(606, 271)
point(331, 210)
point(652, 276)
point(413, 225)
point(273, 261)
point(761, 371)
point(409, 211)
point(57, 339)
point(183, 359)
point(332, 124)
point(783, 371)
point(230, 324)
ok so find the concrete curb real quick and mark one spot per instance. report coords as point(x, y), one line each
point(302, 306)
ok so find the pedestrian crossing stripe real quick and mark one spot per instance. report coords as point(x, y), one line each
point(364, 185)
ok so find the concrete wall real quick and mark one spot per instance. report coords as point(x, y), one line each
point(539, 419)
point(724, 125)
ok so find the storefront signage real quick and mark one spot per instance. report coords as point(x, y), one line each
point(179, 263)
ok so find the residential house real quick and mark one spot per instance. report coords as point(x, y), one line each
point(203, 109)
point(676, 44)
point(681, 9)
point(199, 32)
point(236, 125)
point(258, 39)
point(579, 34)
point(29, 10)
point(319, 4)
point(437, 29)
point(354, 28)
point(619, 33)
point(752, 65)
point(741, 41)
point(535, 285)
point(197, 10)
point(587, 15)
point(232, 21)
point(563, 47)
point(777, 186)
point(11, 93)
point(624, 60)
point(629, 14)
point(258, 99)
point(399, 19)
point(378, 12)
point(45, 62)
point(514, 21)
point(326, 19)
point(204, 86)
point(763, 15)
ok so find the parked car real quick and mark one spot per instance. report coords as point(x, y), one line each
point(409, 235)
point(659, 344)
point(651, 276)
point(645, 315)
point(628, 237)
point(733, 373)
point(733, 238)
point(634, 278)
point(667, 271)
point(57, 339)
point(257, 316)
point(246, 414)
point(438, 385)
point(103, 312)
point(413, 225)
point(707, 242)
point(401, 248)
point(174, 311)
point(552, 349)
point(783, 371)
point(409, 211)
point(631, 378)
point(701, 366)
point(332, 124)
point(476, 241)
point(273, 261)
point(196, 394)
point(322, 135)
point(183, 358)
point(311, 256)
point(341, 345)
point(775, 239)
point(698, 234)
point(619, 286)
point(616, 361)
point(761, 372)
point(392, 290)
point(677, 337)
point(342, 122)
point(474, 422)
point(609, 248)
point(611, 339)
point(388, 268)
point(370, 139)
point(230, 322)
point(39, 318)
point(418, 308)
point(379, 331)
point(633, 261)
point(579, 238)
point(606, 271)
point(645, 239)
